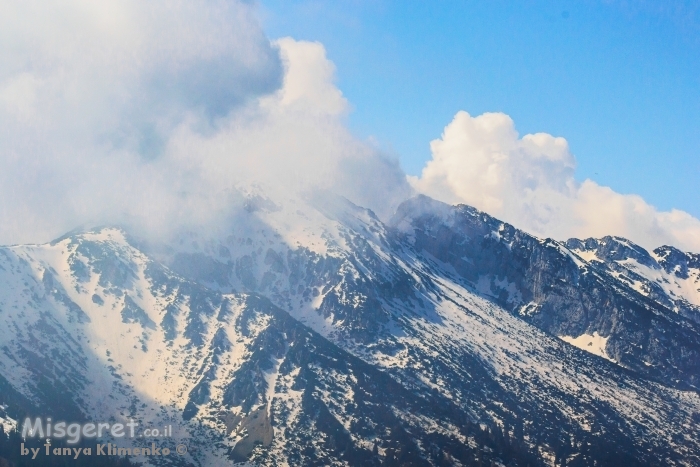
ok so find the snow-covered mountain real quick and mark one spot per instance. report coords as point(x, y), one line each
point(666, 275)
point(312, 333)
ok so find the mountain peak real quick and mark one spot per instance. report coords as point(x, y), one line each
point(676, 261)
point(612, 248)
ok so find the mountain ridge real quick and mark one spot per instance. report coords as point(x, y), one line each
point(309, 305)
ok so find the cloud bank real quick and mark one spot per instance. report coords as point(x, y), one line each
point(529, 181)
point(152, 113)
point(155, 113)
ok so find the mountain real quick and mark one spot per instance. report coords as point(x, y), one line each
point(575, 290)
point(313, 333)
point(666, 275)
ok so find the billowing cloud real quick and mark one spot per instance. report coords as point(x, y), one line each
point(124, 72)
point(529, 182)
point(153, 112)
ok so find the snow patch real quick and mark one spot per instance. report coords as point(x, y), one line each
point(592, 343)
point(6, 422)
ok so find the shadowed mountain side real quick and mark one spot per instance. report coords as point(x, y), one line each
point(548, 285)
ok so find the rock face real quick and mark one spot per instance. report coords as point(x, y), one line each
point(666, 275)
point(609, 287)
point(315, 334)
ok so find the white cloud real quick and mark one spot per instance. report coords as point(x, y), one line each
point(308, 81)
point(529, 182)
point(152, 112)
point(125, 72)
point(294, 139)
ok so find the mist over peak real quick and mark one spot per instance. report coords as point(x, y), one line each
point(152, 115)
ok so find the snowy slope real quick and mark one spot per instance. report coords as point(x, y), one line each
point(368, 289)
point(666, 274)
point(95, 330)
point(313, 333)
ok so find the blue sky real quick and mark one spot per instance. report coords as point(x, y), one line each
point(619, 80)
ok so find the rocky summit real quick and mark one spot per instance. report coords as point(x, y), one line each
point(312, 333)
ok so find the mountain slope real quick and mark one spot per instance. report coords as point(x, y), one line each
point(377, 292)
point(315, 334)
point(95, 330)
point(556, 289)
point(666, 275)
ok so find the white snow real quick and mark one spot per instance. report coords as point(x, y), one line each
point(586, 255)
point(688, 288)
point(8, 423)
point(592, 343)
point(675, 287)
